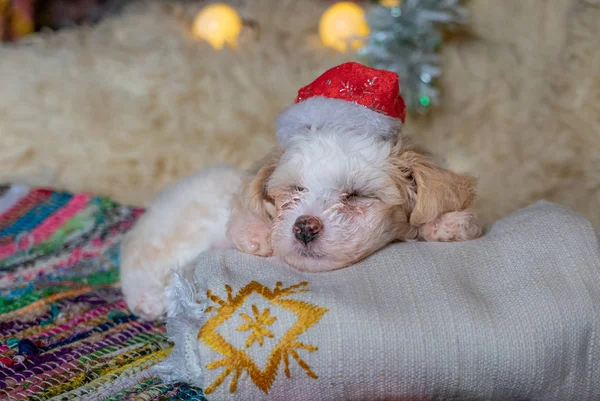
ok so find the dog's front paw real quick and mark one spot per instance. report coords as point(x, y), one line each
point(145, 295)
point(145, 274)
point(452, 226)
point(250, 234)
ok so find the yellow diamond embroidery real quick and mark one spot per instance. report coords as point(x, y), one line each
point(237, 361)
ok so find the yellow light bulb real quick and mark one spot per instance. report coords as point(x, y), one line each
point(218, 24)
point(389, 3)
point(343, 24)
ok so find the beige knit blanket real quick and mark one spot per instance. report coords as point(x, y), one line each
point(514, 315)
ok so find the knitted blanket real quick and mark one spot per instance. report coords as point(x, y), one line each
point(64, 327)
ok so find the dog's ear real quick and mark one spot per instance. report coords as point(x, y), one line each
point(254, 196)
point(431, 189)
point(249, 225)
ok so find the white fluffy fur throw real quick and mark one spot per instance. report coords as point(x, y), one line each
point(127, 106)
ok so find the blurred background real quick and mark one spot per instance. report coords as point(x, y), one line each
point(120, 98)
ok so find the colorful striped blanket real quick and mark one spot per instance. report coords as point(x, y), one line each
point(65, 331)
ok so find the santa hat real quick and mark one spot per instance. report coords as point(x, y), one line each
point(351, 96)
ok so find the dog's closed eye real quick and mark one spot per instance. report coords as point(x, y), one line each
point(355, 195)
point(350, 196)
point(298, 188)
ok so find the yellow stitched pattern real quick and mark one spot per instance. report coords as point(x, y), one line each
point(257, 325)
point(237, 361)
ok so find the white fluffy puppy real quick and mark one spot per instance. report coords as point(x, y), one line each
point(342, 184)
point(325, 202)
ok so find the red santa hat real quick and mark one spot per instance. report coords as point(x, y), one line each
point(351, 96)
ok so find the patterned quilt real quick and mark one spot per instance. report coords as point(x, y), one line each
point(65, 331)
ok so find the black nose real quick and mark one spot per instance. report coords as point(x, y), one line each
point(307, 228)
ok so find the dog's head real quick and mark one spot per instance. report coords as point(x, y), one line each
point(339, 194)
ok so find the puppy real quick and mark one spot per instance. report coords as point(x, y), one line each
point(323, 203)
point(337, 200)
point(340, 186)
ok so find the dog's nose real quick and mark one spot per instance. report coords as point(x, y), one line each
point(307, 228)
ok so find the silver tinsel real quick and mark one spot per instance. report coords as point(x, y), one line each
point(406, 39)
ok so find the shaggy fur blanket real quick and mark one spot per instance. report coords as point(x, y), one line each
point(126, 106)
